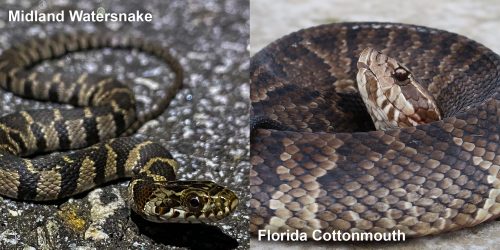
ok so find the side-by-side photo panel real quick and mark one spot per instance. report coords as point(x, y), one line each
point(124, 124)
point(374, 124)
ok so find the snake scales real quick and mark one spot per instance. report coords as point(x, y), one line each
point(105, 109)
point(317, 162)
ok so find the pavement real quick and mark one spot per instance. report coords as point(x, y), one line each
point(205, 127)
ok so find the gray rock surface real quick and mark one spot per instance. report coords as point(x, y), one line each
point(478, 20)
point(205, 127)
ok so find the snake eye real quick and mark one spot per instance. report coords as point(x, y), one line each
point(194, 202)
point(401, 75)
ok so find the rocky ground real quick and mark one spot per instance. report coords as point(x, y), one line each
point(205, 127)
point(478, 20)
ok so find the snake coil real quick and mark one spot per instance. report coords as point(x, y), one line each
point(105, 109)
point(318, 164)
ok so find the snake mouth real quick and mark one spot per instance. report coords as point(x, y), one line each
point(364, 59)
point(363, 65)
point(233, 205)
point(364, 68)
point(184, 201)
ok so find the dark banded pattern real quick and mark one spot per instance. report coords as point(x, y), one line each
point(104, 109)
point(324, 167)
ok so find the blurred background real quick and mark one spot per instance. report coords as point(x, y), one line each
point(205, 127)
point(479, 20)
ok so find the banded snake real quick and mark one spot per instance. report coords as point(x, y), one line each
point(104, 109)
point(319, 164)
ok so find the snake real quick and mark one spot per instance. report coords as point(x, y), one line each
point(52, 154)
point(427, 163)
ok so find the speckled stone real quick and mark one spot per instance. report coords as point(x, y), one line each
point(205, 127)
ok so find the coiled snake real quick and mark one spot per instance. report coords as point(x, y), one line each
point(105, 109)
point(319, 164)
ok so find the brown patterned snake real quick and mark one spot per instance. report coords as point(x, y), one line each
point(104, 109)
point(317, 160)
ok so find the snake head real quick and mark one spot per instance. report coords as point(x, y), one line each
point(182, 201)
point(392, 95)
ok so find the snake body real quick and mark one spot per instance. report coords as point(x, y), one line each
point(104, 109)
point(318, 163)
